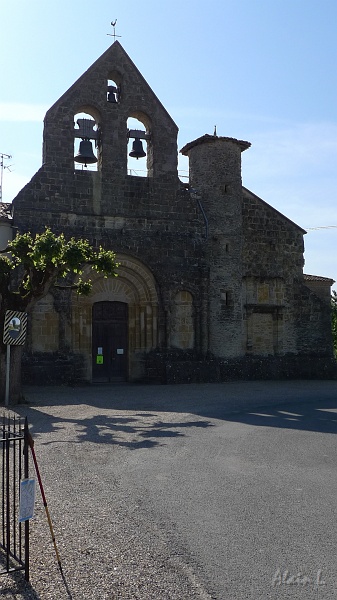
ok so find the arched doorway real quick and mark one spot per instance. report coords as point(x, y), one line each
point(133, 293)
point(109, 341)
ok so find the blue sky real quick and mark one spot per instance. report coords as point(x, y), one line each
point(260, 70)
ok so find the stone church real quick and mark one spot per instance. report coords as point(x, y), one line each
point(210, 282)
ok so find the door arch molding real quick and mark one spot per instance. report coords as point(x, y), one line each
point(109, 341)
point(134, 286)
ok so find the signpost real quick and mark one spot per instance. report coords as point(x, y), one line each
point(15, 328)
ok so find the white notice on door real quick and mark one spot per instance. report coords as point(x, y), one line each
point(120, 351)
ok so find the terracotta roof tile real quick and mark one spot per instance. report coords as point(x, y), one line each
point(318, 278)
point(208, 139)
point(5, 211)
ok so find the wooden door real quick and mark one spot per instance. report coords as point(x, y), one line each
point(109, 341)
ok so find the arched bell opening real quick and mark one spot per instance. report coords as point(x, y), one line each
point(112, 93)
point(87, 141)
point(139, 148)
point(114, 87)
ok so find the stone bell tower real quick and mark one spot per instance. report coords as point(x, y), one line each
point(215, 175)
point(111, 91)
point(110, 94)
point(148, 220)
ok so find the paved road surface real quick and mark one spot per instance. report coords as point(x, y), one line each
point(223, 491)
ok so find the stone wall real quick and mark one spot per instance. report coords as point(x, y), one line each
point(207, 270)
point(273, 268)
point(173, 368)
point(321, 286)
point(45, 326)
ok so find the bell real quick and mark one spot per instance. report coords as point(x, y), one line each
point(85, 153)
point(112, 98)
point(137, 149)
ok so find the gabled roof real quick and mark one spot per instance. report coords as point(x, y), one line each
point(209, 139)
point(248, 193)
point(116, 55)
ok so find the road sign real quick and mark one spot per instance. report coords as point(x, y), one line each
point(15, 328)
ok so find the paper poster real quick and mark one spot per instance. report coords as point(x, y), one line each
point(27, 499)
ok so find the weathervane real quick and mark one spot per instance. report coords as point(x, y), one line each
point(114, 35)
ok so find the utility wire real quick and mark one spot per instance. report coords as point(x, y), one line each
point(322, 227)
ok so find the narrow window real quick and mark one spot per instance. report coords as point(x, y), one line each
point(225, 297)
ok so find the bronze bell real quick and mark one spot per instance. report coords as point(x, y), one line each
point(85, 154)
point(112, 98)
point(137, 149)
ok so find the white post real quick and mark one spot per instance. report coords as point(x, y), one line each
point(8, 363)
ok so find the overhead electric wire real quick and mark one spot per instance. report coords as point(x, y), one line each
point(322, 227)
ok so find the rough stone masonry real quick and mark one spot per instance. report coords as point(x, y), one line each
point(210, 285)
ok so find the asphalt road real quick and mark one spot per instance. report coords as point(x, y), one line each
point(252, 498)
point(236, 481)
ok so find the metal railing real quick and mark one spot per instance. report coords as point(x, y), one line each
point(14, 536)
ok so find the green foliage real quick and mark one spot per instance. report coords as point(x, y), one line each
point(21, 246)
point(84, 287)
point(6, 267)
point(334, 319)
point(77, 253)
point(46, 259)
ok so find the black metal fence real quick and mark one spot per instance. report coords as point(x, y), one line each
point(14, 536)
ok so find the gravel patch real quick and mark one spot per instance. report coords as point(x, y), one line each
point(110, 548)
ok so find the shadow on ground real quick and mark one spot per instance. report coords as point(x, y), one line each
point(320, 417)
point(13, 585)
point(133, 433)
point(132, 416)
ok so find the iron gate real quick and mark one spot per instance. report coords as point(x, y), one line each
point(14, 536)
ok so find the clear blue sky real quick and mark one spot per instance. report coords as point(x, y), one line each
point(261, 70)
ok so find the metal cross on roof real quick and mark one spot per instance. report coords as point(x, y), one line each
point(114, 35)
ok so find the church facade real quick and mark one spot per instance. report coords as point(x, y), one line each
point(210, 282)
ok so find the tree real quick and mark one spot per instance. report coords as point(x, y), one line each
point(29, 268)
point(334, 320)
